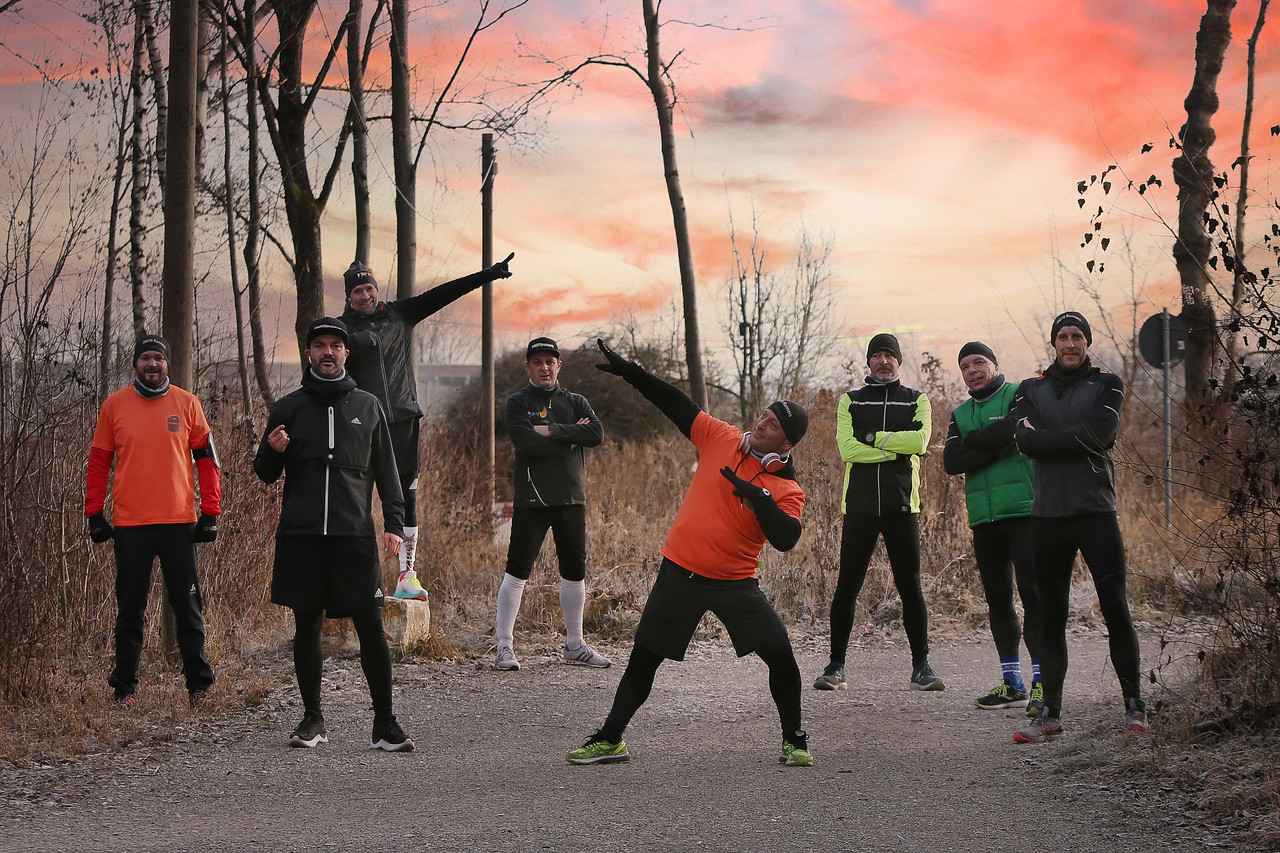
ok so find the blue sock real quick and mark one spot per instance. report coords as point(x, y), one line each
point(1011, 669)
point(1035, 670)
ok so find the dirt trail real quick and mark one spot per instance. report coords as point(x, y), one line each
point(895, 769)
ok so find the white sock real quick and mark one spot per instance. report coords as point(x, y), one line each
point(573, 597)
point(408, 549)
point(509, 595)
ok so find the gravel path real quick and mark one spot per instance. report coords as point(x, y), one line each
point(895, 769)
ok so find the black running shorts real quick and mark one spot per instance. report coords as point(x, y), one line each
point(336, 574)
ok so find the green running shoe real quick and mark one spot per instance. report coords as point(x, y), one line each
point(597, 750)
point(795, 751)
point(1036, 706)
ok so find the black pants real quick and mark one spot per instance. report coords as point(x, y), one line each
point(375, 656)
point(637, 682)
point(857, 543)
point(1003, 551)
point(529, 526)
point(136, 550)
point(404, 446)
point(1097, 538)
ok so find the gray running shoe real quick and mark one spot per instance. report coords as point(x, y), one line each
point(506, 659)
point(832, 678)
point(584, 655)
point(1135, 715)
point(1039, 730)
point(922, 678)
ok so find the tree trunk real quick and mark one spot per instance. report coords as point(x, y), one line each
point(291, 150)
point(228, 206)
point(253, 227)
point(1238, 268)
point(359, 131)
point(401, 150)
point(662, 101)
point(149, 16)
point(140, 178)
point(1193, 173)
point(113, 227)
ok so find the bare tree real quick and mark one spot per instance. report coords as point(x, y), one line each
point(140, 173)
point(1239, 270)
point(1193, 173)
point(778, 327)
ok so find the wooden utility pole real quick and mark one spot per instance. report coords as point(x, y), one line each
point(177, 307)
point(488, 168)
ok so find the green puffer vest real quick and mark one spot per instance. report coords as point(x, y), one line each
point(1003, 489)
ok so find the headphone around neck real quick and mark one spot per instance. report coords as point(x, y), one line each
point(771, 462)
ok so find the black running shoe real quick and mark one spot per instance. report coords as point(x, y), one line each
point(310, 731)
point(388, 735)
point(922, 678)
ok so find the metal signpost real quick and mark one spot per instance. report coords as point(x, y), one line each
point(1163, 343)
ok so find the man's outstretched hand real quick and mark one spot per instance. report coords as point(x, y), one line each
point(502, 269)
point(616, 365)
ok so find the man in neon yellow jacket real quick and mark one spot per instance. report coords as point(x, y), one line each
point(882, 429)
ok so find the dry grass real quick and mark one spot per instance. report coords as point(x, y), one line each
point(55, 656)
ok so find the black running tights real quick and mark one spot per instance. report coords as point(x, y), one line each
point(902, 543)
point(1097, 538)
point(375, 656)
point(637, 681)
point(1002, 550)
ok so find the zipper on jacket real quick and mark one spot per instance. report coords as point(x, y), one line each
point(528, 475)
point(325, 524)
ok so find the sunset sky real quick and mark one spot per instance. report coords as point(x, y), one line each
point(938, 144)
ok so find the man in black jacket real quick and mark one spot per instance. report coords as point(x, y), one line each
point(381, 362)
point(331, 441)
point(1067, 423)
point(549, 428)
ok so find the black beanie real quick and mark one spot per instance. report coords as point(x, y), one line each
point(1070, 318)
point(884, 342)
point(151, 343)
point(356, 275)
point(793, 417)
point(977, 348)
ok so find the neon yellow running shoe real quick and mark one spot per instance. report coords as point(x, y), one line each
point(597, 750)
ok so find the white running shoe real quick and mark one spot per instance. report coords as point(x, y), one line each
point(410, 587)
point(506, 659)
point(584, 655)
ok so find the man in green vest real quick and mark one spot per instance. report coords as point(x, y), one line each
point(998, 493)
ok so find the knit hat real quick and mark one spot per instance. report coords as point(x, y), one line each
point(151, 343)
point(326, 326)
point(884, 342)
point(356, 275)
point(977, 348)
point(538, 345)
point(1070, 318)
point(793, 417)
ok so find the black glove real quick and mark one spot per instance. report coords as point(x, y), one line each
point(755, 495)
point(206, 529)
point(997, 435)
point(617, 365)
point(99, 529)
point(500, 269)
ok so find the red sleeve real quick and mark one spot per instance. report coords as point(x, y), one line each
point(95, 480)
point(210, 484)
